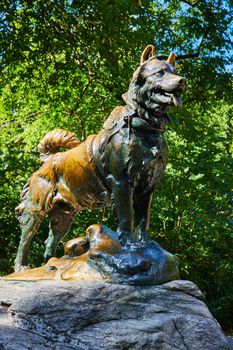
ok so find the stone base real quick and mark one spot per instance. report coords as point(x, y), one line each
point(102, 316)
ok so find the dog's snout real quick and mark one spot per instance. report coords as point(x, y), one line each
point(182, 83)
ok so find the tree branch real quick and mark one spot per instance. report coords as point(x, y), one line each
point(181, 57)
point(190, 3)
point(14, 120)
point(191, 55)
point(86, 87)
point(81, 123)
point(73, 113)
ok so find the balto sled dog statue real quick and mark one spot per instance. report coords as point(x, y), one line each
point(122, 164)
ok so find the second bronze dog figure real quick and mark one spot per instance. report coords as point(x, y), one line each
point(122, 164)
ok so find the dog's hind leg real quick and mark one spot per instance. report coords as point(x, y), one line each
point(29, 223)
point(60, 220)
point(30, 213)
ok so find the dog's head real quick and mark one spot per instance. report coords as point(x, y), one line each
point(155, 86)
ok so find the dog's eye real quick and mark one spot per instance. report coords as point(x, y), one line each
point(160, 73)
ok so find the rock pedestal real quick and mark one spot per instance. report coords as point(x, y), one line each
point(101, 316)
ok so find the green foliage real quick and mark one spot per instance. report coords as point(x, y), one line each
point(196, 200)
point(66, 63)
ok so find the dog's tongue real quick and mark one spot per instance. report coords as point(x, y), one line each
point(177, 100)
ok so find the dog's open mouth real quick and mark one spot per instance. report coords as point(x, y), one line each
point(167, 98)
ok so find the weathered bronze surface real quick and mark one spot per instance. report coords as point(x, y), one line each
point(100, 256)
point(121, 165)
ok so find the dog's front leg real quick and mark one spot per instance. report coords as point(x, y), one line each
point(122, 201)
point(142, 204)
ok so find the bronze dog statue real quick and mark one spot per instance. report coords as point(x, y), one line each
point(122, 164)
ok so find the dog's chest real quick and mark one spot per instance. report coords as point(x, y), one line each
point(147, 155)
point(128, 154)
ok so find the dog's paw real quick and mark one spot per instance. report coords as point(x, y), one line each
point(125, 237)
point(21, 268)
point(142, 235)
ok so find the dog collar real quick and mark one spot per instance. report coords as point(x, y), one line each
point(141, 124)
point(134, 121)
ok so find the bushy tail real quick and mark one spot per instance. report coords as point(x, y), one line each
point(54, 140)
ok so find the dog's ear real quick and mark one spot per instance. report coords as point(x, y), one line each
point(172, 59)
point(148, 53)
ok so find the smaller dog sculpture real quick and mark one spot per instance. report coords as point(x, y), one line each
point(122, 164)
